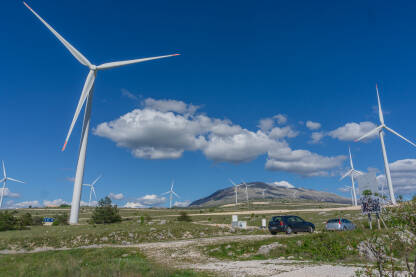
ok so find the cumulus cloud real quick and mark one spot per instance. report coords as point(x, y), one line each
point(281, 119)
point(116, 196)
point(352, 131)
point(302, 162)
point(54, 203)
point(170, 106)
point(165, 129)
point(25, 204)
point(9, 193)
point(403, 175)
point(313, 125)
point(283, 184)
point(182, 204)
point(146, 201)
point(316, 137)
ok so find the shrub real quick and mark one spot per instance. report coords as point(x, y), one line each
point(64, 206)
point(60, 219)
point(105, 212)
point(9, 222)
point(26, 219)
point(184, 217)
point(37, 220)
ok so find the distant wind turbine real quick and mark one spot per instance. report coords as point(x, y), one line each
point(171, 193)
point(245, 184)
point(235, 191)
point(353, 173)
point(4, 180)
point(92, 189)
point(86, 95)
point(380, 132)
point(263, 193)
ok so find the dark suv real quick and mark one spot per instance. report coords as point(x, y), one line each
point(290, 224)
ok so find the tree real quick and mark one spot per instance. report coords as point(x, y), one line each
point(184, 217)
point(9, 222)
point(60, 219)
point(105, 212)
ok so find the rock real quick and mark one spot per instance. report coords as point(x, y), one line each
point(228, 247)
point(104, 238)
point(124, 255)
point(290, 257)
point(265, 249)
point(349, 248)
point(162, 222)
point(299, 243)
point(364, 251)
point(152, 229)
point(131, 235)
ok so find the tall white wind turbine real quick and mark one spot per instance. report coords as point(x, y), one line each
point(171, 194)
point(92, 189)
point(4, 180)
point(86, 96)
point(235, 191)
point(245, 184)
point(352, 173)
point(380, 132)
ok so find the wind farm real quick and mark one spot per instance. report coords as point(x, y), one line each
point(247, 127)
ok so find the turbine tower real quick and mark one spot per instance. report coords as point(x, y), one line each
point(171, 193)
point(86, 96)
point(379, 130)
point(245, 184)
point(353, 173)
point(4, 180)
point(263, 193)
point(235, 191)
point(92, 189)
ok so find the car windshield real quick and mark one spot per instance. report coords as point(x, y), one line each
point(277, 218)
point(333, 221)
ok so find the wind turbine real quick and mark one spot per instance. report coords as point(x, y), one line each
point(92, 189)
point(263, 192)
point(236, 191)
point(380, 132)
point(171, 193)
point(353, 173)
point(248, 203)
point(5, 178)
point(86, 95)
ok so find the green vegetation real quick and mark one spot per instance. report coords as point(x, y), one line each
point(60, 219)
point(184, 217)
point(105, 212)
point(87, 262)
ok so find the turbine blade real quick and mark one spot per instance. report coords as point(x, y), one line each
point(165, 193)
point(351, 164)
point(346, 174)
point(4, 170)
point(96, 180)
point(176, 194)
point(83, 60)
point(357, 172)
point(93, 190)
point(89, 82)
point(233, 183)
point(397, 134)
point(121, 63)
point(380, 112)
point(14, 180)
point(369, 133)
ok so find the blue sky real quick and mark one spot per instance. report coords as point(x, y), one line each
point(240, 61)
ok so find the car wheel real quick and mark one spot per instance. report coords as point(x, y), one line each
point(273, 233)
point(310, 229)
point(288, 230)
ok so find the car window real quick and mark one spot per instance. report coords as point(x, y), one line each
point(346, 221)
point(333, 220)
point(277, 218)
point(298, 219)
point(291, 219)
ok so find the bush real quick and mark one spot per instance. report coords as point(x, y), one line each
point(184, 217)
point(105, 212)
point(37, 220)
point(26, 219)
point(60, 219)
point(64, 206)
point(9, 222)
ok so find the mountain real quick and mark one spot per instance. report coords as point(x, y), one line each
point(272, 191)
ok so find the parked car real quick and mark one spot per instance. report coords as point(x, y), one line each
point(339, 224)
point(290, 224)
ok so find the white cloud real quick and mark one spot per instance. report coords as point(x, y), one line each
point(133, 205)
point(281, 119)
point(165, 129)
point(266, 124)
point(128, 94)
point(182, 204)
point(283, 132)
point(403, 175)
point(170, 106)
point(316, 137)
point(9, 193)
point(313, 125)
point(283, 184)
point(54, 203)
point(86, 203)
point(352, 131)
point(25, 204)
point(302, 162)
point(116, 196)
point(148, 200)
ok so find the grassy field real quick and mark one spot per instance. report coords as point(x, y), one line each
point(87, 262)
